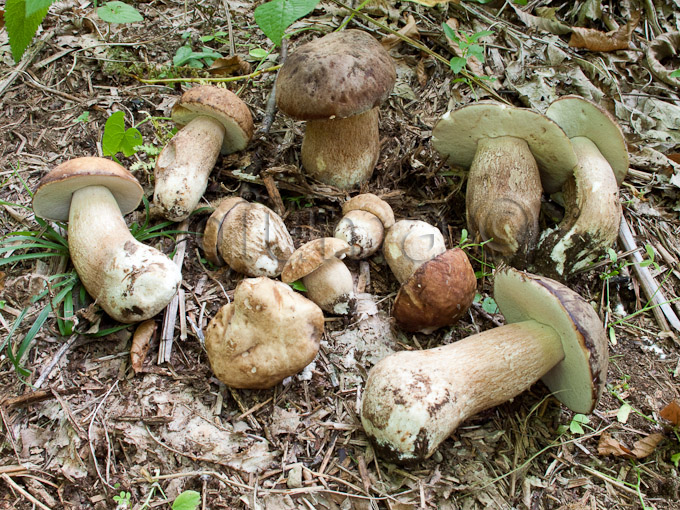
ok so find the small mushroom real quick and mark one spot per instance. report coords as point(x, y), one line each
point(336, 83)
point(131, 281)
point(249, 237)
point(212, 120)
point(513, 155)
point(365, 218)
point(328, 281)
point(591, 194)
point(438, 285)
point(268, 333)
point(414, 400)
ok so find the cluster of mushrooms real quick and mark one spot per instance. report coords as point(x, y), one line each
point(412, 400)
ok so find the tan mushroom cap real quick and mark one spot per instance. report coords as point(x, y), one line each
point(373, 204)
point(310, 256)
point(458, 132)
point(268, 333)
point(211, 234)
point(437, 294)
point(578, 380)
point(579, 117)
point(335, 76)
point(222, 105)
point(52, 199)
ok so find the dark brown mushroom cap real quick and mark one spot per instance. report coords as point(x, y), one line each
point(579, 117)
point(338, 75)
point(578, 380)
point(310, 256)
point(222, 105)
point(52, 198)
point(437, 294)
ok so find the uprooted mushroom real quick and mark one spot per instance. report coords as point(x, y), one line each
point(414, 400)
point(363, 224)
point(591, 194)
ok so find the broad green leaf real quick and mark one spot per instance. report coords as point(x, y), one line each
point(258, 53)
point(84, 117)
point(675, 458)
point(478, 35)
point(21, 28)
point(35, 6)
point(132, 139)
point(457, 64)
point(623, 412)
point(489, 305)
point(450, 33)
point(188, 500)
point(276, 16)
point(475, 50)
point(675, 74)
point(119, 12)
point(114, 132)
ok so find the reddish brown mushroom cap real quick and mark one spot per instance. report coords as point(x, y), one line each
point(437, 294)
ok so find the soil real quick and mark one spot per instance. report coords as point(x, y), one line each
point(94, 429)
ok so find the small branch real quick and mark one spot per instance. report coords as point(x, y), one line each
point(208, 80)
point(24, 492)
point(55, 360)
point(270, 110)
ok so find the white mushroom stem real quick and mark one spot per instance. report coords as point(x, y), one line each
point(331, 286)
point(503, 198)
point(129, 280)
point(593, 214)
point(342, 152)
point(184, 165)
point(414, 400)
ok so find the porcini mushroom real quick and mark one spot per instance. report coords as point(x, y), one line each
point(591, 195)
point(414, 400)
point(365, 218)
point(269, 332)
point(438, 285)
point(513, 155)
point(213, 120)
point(336, 83)
point(319, 265)
point(129, 280)
point(249, 237)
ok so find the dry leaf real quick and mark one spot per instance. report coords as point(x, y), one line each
point(421, 74)
point(646, 446)
point(409, 30)
point(596, 40)
point(663, 49)
point(229, 66)
point(140, 344)
point(675, 157)
point(542, 23)
point(610, 446)
point(2, 18)
point(672, 411)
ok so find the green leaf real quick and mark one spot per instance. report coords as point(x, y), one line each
point(478, 35)
point(35, 6)
point(576, 422)
point(457, 64)
point(21, 28)
point(675, 459)
point(475, 50)
point(623, 412)
point(612, 255)
point(299, 286)
point(84, 117)
point(675, 74)
point(114, 132)
point(130, 142)
point(489, 305)
point(119, 12)
point(188, 500)
point(450, 33)
point(258, 53)
point(276, 16)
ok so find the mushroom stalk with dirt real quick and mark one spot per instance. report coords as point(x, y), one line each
point(213, 120)
point(415, 400)
point(363, 224)
point(591, 196)
point(129, 280)
point(513, 155)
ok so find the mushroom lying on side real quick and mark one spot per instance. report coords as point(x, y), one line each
point(328, 281)
point(513, 156)
point(591, 195)
point(365, 218)
point(438, 285)
point(414, 400)
point(129, 280)
point(249, 237)
point(268, 333)
point(212, 120)
point(336, 83)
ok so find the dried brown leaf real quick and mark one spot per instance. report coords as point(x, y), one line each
point(421, 74)
point(596, 40)
point(675, 157)
point(610, 446)
point(2, 18)
point(229, 66)
point(646, 446)
point(672, 411)
point(542, 23)
point(409, 30)
point(140, 344)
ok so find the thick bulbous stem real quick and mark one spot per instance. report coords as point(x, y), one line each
point(184, 165)
point(503, 198)
point(414, 400)
point(129, 280)
point(342, 152)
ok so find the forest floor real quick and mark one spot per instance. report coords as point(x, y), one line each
point(81, 429)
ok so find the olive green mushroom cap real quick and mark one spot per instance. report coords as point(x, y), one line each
point(335, 76)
